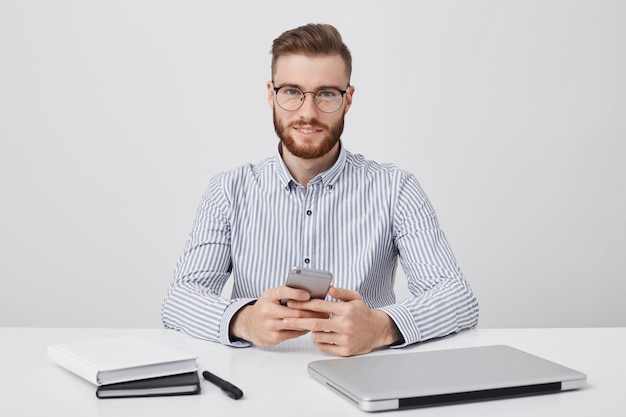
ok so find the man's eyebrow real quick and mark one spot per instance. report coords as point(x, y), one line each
point(289, 85)
point(303, 89)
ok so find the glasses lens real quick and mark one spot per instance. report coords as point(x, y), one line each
point(328, 99)
point(289, 98)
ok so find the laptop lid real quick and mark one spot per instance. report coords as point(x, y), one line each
point(421, 379)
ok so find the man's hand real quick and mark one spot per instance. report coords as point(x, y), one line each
point(353, 329)
point(263, 323)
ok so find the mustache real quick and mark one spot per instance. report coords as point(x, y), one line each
point(308, 122)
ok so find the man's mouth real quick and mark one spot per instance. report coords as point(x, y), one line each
point(307, 130)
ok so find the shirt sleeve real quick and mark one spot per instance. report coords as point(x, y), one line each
point(442, 301)
point(193, 303)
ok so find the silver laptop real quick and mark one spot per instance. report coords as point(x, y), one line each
point(421, 379)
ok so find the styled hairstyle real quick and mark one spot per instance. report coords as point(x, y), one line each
point(312, 40)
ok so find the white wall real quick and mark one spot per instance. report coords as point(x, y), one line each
point(114, 115)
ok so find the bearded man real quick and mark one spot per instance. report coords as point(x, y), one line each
point(316, 205)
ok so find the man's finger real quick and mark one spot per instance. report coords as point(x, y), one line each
point(310, 324)
point(344, 294)
point(285, 293)
point(320, 306)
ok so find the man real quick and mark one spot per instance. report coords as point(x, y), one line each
point(314, 204)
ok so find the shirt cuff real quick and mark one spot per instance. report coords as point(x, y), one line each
point(404, 322)
point(229, 313)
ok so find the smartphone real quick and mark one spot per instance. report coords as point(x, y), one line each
point(315, 281)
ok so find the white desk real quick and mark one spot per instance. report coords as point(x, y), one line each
point(276, 383)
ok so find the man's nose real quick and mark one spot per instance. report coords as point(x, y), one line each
point(308, 106)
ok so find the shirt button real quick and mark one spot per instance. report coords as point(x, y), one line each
point(309, 212)
point(307, 260)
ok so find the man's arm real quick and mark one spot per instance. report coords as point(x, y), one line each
point(193, 303)
point(442, 301)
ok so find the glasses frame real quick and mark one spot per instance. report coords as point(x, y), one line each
point(304, 93)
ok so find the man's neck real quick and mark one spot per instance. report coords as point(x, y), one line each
point(304, 170)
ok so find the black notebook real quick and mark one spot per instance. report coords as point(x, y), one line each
point(181, 384)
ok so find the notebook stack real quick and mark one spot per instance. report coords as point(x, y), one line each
point(129, 367)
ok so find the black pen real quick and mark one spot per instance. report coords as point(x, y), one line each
point(228, 388)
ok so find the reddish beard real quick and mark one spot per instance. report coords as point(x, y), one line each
point(309, 151)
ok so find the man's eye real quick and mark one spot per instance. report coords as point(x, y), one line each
point(327, 93)
point(291, 91)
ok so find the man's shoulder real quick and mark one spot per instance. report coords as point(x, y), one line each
point(247, 170)
point(358, 162)
point(241, 180)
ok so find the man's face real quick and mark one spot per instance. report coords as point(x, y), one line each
point(309, 133)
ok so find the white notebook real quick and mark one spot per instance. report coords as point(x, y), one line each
point(109, 361)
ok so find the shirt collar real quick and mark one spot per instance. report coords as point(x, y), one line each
point(327, 178)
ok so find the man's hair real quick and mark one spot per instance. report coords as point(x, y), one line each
point(312, 40)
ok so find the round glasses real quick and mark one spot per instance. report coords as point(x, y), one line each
point(326, 99)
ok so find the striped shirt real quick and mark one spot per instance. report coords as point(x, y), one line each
point(356, 220)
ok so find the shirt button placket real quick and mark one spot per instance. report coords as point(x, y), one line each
point(309, 229)
point(309, 212)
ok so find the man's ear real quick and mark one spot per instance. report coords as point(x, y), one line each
point(270, 94)
point(349, 94)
